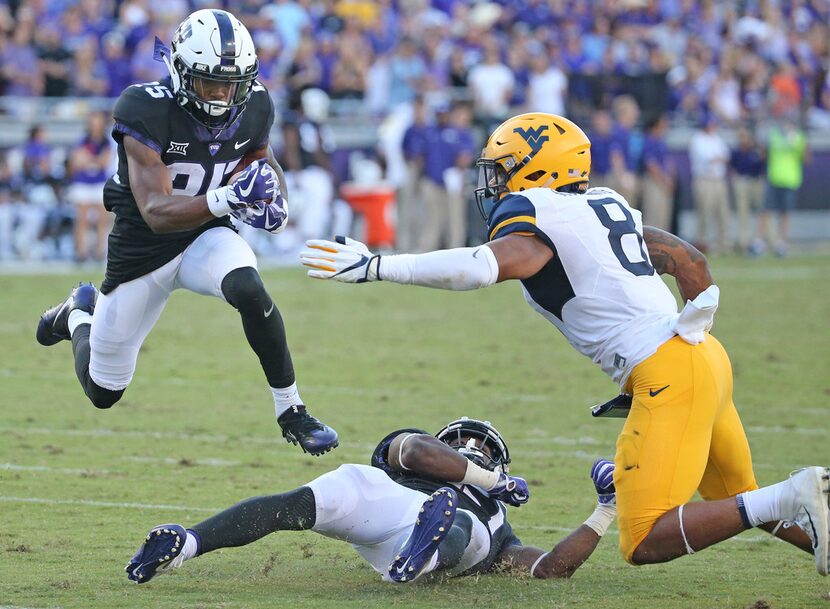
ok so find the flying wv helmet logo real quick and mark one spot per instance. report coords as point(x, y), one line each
point(533, 136)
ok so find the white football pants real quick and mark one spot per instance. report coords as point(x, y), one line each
point(360, 504)
point(124, 317)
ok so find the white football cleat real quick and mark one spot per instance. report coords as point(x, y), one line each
point(812, 496)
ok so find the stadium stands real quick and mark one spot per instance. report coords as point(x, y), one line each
point(745, 63)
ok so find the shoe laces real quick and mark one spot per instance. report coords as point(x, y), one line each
point(298, 420)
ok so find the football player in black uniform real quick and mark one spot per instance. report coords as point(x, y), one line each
point(425, 504)
point(180, 140)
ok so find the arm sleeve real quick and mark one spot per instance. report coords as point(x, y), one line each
point(462, 268)
point(142, 117)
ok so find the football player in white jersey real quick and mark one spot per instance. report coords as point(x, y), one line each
point(590, 267)
point(424, 504)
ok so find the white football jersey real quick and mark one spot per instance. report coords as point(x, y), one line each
point(599, 288)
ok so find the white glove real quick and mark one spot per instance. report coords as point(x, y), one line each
point(343, 259)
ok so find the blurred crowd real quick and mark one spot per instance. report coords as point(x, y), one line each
point(740, 60)
point(625, 69)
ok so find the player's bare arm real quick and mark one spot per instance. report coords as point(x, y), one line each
point(562, 561)
point(673, 256)
point(267, 153)
point(430, 457)
point(425, 455)
point(569, 554)
point(152, 188)
point(520, 256)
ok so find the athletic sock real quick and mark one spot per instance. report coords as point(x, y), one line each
point(285, 398)
point(263, 324)
point(191, 545)
point(77, 318)
point(257, 517)
point(451, 549)
point(769, 504)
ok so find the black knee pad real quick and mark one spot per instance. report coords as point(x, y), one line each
point(243, 288)
point(103, 398)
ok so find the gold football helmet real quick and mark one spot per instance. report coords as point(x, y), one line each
point(534, 150)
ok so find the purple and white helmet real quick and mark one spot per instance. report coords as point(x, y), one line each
point(214, 66)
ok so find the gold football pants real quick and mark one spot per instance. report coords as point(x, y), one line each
point(683, 434)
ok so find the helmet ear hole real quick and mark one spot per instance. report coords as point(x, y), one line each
point(536, 175)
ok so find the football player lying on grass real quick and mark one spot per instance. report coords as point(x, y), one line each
point(425, 504)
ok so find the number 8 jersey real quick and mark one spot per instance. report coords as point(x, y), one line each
point(599, 288)
point(197, 159)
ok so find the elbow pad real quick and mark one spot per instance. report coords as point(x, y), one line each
point(462, 268)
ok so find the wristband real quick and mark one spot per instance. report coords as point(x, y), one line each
point(400, 451)
point(480, 477)
point(536, 564)
point(217, 201)
point(602, 518)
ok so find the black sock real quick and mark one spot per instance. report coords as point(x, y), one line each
point(262, 322)
point(257, 517)
point(451, 550)
point(100, 397)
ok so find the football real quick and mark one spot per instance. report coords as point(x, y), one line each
point(243, 163)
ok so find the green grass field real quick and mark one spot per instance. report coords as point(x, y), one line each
point(195, 432)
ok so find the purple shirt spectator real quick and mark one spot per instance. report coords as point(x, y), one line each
point(37, 158)
point(116, 64)
point(414, 141)
point(20, 66)
point(440, 151)
point(630, 143)
point(601, 147)
point(748, 163)
point(656, 151)
point(88, 175)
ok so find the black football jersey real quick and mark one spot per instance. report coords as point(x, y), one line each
point(490, 512)
point(198, 160)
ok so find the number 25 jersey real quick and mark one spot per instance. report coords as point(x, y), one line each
point(599, 288)
point(197, 160)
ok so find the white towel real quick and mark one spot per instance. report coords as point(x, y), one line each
point(697, 316)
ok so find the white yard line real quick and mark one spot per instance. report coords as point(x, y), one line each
point(58, 470)
point(110, 504)
point(172, 461)
point(161, 435)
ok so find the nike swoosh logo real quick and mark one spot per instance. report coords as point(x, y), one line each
point(246, 191)
point(270, 221)
point(653, 393)
point(269, 311)
point(238, 145)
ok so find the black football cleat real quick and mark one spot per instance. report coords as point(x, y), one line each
point(161, 550)
point(299, 427)
point(53, 326)
point(431, 528)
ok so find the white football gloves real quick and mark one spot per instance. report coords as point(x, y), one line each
point(343, 259)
